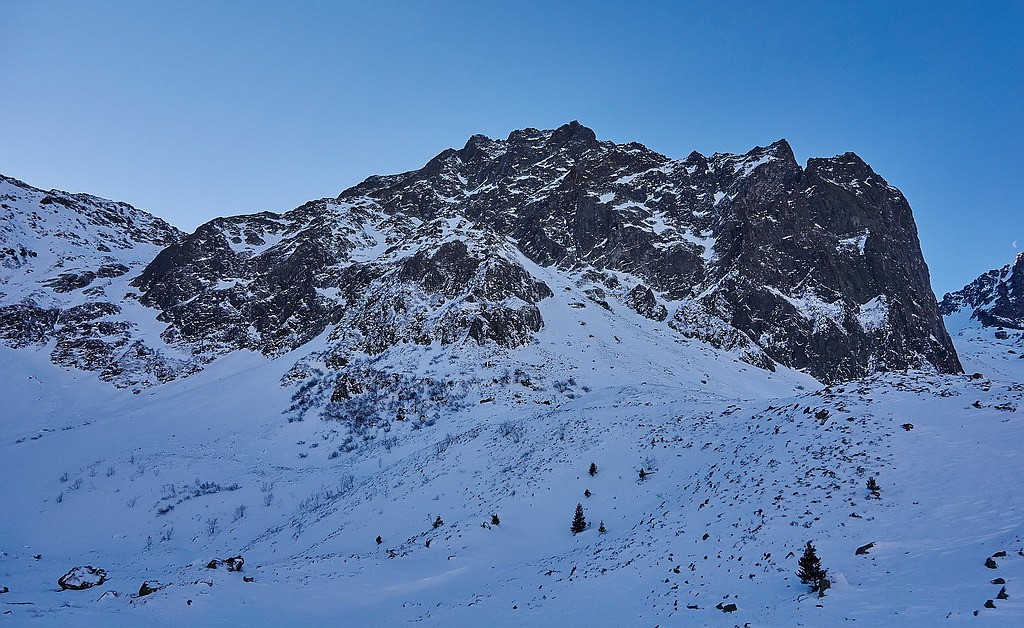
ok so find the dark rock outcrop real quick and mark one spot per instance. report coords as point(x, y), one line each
point(85, 577)
point(234, 563)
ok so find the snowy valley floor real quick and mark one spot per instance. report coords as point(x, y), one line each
point(745, 467)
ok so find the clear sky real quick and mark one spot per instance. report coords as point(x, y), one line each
point(192, 110)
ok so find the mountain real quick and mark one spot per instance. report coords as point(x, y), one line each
point(995, 299)
point(743, 467)
point(815, 268)
point(387, 403)
point(65, 260)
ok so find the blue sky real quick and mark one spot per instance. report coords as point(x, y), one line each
point(197, 109)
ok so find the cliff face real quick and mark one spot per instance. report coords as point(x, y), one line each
point(816, 268)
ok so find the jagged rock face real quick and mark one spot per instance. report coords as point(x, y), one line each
point(995, 299)
point(272, 283)
point(818, 268)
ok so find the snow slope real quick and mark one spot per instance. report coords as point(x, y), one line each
point(744, 468)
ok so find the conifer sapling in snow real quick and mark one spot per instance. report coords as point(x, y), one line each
point(438, 522)
point(601, 529)
point(593, 469)
point(579, 522)
point(587, 493)
point(873, 486)
point(811, 572)
point(495, 520)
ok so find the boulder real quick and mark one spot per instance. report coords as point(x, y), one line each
point(863, 549)
point(231, 564)
point(85, 577)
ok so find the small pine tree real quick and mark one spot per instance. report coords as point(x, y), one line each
point(601, 529)
point(587, 493)
point(643, 474)
point(495, 520)
point(811, 572)
point(593, 469)
point(873, 485)
point(579, 522)
point(438, 522)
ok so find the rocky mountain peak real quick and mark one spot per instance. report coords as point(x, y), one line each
point(818, 269)
point(995, 299)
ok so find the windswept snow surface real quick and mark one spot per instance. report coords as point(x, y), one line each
point(745, 466)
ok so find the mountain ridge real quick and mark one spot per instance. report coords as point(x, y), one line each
point(994, 299)
point(817, 267)
point(388, 403)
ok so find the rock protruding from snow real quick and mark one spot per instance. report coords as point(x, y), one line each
point(85, 577)
point(642, 300)
point(234, 563)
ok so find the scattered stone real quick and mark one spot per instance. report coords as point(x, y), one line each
point(863, 549)
point(907, 426)
point(991, 564)
point(247, 579)
point(999, 555)
point(990, 604)
point(726, 608)
point(84, 577)
point(149, 587)
point(999, 581)
point(1002, 595)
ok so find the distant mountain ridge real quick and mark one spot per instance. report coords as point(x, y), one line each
point(815, 268)
point(995, 299)
point(64, 264)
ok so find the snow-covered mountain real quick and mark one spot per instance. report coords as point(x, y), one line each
point(743, 467)
point(817, 268)
point(65, 260)
point(987, 318)
point(995, 299)
point(388, 403)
